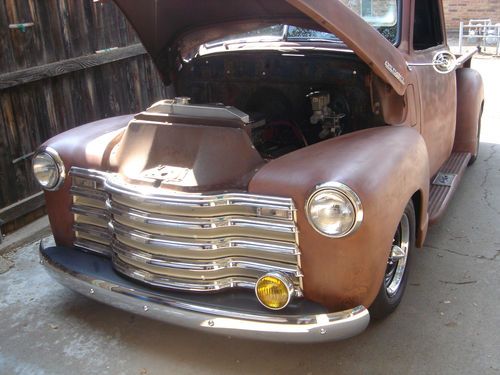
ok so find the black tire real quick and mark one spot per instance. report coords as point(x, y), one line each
point(474, 157)
point(392, 289)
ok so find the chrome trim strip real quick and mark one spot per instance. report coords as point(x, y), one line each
point(203, 224)
point(89, 193)
point(89, 174)
point(90, 212)
point(394, 72)
point(206, 265)
point(205, 245)
point(93, 230)
point(270, 327)
point(183, 284)
point(260, 204)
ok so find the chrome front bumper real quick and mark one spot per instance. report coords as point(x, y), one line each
point(233, 314)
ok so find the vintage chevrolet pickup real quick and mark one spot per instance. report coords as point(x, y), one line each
point(280, 190)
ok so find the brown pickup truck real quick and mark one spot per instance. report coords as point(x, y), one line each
point(281, 189)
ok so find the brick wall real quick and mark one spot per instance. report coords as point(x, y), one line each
point(454, 10)
point(464, 10)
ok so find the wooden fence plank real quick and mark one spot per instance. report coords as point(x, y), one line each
point(22, 207)
point(6, 61)
point(67, 66)
point(52, 79)
point(6, 171)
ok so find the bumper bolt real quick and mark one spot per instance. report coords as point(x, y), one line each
point(92, 291)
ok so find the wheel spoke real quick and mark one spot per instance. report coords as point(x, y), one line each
point(397, 253)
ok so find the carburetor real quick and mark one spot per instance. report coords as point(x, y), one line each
point(324, 115)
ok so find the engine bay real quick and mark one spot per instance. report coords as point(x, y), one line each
point(296, 99)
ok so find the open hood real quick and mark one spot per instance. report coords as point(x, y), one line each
point(161, 23)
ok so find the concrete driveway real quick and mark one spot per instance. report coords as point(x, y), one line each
point(448, 323)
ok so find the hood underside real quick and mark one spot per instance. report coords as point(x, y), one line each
point(162, 25)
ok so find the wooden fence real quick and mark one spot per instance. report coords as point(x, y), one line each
point(62, 63)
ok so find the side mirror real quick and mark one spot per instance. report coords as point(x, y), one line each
point(443, 62)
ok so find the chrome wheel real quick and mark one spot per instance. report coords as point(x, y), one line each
point(396, 264)
point(392, 286)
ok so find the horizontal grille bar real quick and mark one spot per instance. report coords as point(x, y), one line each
point(182, 284)
point(207, 265)
point(196, 248)
point(91, 212)
point(92, 232)
point(93, 198)
point(210, 227)
point(198, 205)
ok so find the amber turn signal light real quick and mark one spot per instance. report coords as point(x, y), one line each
point(274, 290)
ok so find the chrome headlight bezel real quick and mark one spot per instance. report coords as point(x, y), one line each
point(54, 155)
point(349, 195)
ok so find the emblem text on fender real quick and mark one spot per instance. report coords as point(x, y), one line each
point(394, 72)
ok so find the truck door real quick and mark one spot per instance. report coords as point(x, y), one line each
point(437, 91)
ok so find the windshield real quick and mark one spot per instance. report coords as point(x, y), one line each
point(381, 14)
point(378, 13)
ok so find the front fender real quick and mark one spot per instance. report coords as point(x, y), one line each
point(86, 146)
point(385, 166)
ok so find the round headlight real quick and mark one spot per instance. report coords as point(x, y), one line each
point(48, 169)
point(334, 210)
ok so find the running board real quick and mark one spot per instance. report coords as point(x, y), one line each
point(445, 183)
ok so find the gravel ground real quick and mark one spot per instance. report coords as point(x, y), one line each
point(448, 322)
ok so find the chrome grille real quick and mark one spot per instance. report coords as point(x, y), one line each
point(185, 241)
point(90, 213)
